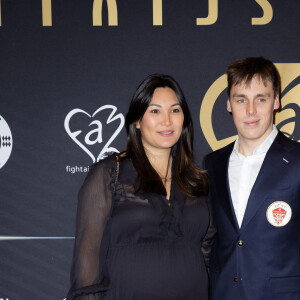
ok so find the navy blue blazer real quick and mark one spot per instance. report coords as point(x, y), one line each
point(260, 260)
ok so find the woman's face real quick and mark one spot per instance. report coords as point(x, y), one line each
point(161, 125)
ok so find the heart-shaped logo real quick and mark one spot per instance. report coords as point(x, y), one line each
point(86, 143)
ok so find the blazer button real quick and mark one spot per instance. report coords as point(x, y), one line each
point(240, 243)
point(235, 279)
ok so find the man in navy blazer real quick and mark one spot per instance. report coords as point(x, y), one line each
point(255, 190)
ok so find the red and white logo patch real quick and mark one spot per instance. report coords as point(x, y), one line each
point(279, 213)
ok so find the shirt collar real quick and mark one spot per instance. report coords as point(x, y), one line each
point(263, 147)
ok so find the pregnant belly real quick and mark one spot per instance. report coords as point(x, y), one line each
point(158, 269)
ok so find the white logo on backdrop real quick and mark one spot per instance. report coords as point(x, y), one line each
point(85, 141)
point(6, 142)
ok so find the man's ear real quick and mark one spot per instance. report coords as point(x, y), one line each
point(276, 102)
point(228, 106)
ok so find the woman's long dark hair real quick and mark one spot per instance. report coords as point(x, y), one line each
point(188, 177)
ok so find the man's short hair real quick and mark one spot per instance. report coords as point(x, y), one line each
point(243, 70)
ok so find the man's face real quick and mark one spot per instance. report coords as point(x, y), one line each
point(252, 108)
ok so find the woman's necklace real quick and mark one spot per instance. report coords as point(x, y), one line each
point(167, 172)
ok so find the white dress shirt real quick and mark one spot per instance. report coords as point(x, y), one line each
point(242, 173)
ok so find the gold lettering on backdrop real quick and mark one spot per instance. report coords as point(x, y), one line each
point(285, 119)
point(112, 12)
point(157, 13)
point(267, 13)
point(212, 14)
point(46, 12)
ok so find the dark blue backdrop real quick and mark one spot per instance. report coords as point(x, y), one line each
point(55, 83)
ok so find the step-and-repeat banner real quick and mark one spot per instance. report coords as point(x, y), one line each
point(68, 69)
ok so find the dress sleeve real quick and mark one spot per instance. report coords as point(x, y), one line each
point(208, 239)
point(88, 281)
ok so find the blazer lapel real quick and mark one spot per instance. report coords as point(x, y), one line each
point(274, 163)
point(222, 186)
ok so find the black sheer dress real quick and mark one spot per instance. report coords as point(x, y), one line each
point(138, 246)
